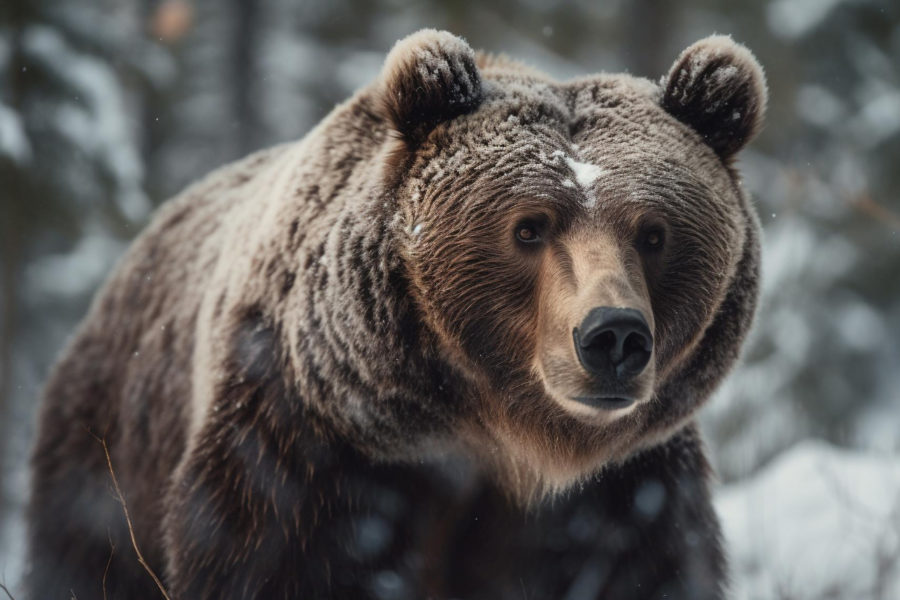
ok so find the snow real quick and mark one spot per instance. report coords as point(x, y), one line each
point(13, 139)
point(12, 564)
point(585, 173)
point(818, 106)
point(75, 272)
point(96, 120)
point(356, 69)
point(758, 411)
point(878, 119)
point(791, 19)
point(291, 60)
point(723, 77)
point(860, 326)
point(817, 522)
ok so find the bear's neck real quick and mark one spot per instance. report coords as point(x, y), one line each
point(354, 342)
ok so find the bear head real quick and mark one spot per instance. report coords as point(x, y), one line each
point(581, 252)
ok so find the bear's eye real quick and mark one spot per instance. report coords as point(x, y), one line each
point(528, 232)
point(652, 240)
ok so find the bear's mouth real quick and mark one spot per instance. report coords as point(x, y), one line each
point(604, 402)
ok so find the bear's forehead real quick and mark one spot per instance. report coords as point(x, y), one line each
point(601, 114)
point(604, 133)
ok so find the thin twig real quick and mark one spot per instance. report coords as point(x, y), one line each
point(112, 550)
point(6, 590)
point(121, 499)
point(866, 204)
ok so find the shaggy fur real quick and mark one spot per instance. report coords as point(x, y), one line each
point(331, 371)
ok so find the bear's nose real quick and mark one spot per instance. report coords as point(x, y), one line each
point(613, 341)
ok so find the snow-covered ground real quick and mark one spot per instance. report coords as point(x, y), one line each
point(818, 522)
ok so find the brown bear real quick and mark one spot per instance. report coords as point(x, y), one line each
point(449, 345)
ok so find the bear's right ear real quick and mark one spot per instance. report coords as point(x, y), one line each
point(429, 77)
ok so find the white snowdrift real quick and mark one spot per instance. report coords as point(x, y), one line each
point(818, 522)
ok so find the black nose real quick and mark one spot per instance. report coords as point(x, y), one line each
point(613, 341)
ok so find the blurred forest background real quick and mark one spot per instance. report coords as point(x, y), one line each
point(108, 107)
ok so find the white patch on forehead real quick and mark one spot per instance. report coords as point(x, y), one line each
point(585, 173)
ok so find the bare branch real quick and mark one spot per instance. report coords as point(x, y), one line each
point(7, 592)
point(112, 550)
point(134, 543)
point(867, 205)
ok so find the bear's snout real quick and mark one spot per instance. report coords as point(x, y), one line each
point(613, 344)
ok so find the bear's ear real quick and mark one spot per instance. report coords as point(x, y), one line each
point(718, 88)
point(429, 77)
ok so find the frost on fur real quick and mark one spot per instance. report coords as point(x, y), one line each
point(718, 88)
point(428, 77)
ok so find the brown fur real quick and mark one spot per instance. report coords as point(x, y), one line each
point(345, 328)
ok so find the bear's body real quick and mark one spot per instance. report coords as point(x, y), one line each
point(331, 371)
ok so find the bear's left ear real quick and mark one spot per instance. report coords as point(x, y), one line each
point(718, 88)
point(429, 77)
